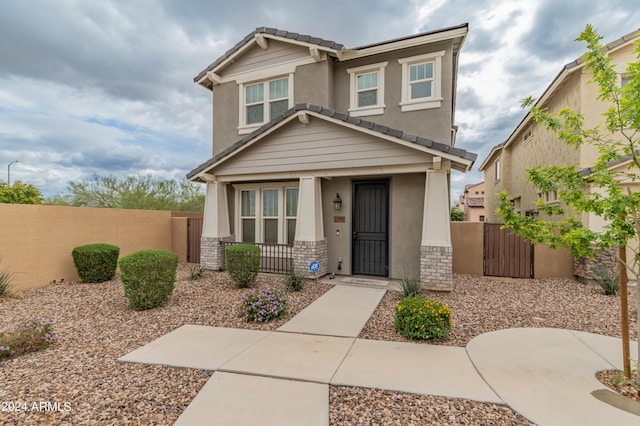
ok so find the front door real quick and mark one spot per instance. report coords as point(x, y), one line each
point(370, 249)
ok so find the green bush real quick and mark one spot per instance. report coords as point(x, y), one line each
point(262, 305)
point(295, 280)
point(410, 286)
point(96, 263)
point(422, 318)
point(243, 263)
point(148, 277)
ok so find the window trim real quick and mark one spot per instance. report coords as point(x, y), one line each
point(379, 107)
point(433, 101)
point(244, 128)
point(259, 217)
point(498, 170)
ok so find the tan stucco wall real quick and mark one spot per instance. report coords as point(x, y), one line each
point(466, 243)
point(430, 123)
point(467, 240)
point(548, 262)
point(179, 237)
point(339, 246)
point(36, 241)
point(225, 116)
point(407, 201)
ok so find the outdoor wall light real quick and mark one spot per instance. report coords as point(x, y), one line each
point(337, 203)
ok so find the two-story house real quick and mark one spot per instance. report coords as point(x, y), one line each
point(472, 202)
point(531, 144)
point(342, 153)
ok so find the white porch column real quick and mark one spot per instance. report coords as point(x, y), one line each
point(310, 243)
point(436, 259)
point(215, 226)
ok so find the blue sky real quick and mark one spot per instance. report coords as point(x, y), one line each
point(107, 87)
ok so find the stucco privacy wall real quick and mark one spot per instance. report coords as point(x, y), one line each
point(467, 239)
point(36, 241)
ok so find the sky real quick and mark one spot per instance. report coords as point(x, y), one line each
point(106, 87)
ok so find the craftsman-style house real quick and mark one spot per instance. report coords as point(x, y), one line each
point(342, 154)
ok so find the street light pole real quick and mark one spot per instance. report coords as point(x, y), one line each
point(9, 172)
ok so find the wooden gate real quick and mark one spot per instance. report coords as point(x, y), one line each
point(506, 254)
point(194, 234)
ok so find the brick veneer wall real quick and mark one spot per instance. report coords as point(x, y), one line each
point(304, 252)
point(211, 252)
point(436, 268)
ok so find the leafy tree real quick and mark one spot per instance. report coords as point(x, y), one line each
point(19, 193)
point(457, 215)
point(598, 189)
point(133, 192)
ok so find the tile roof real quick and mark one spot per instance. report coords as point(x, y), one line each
point(428, 143)
point(475, 202)
point(272, 31)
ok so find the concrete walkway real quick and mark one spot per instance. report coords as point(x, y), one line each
point(547, 375)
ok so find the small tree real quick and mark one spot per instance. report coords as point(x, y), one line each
point(457, 215)
point(600, 189)
point(19, 193)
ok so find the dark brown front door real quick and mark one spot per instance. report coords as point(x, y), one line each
point(370, 250)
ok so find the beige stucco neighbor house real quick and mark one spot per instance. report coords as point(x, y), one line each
point(472, 202)
point(531, 144)
point(342, 153)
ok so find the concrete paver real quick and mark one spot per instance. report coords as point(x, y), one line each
point(196, 346)
point(547, 375)
point(342, 311)
point(414, 368)
point(293, 356)
point(236, 399)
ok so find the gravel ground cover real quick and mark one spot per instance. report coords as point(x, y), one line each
point(95, 327)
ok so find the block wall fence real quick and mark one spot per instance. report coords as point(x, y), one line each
point(36, 241)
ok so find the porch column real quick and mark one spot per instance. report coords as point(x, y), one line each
point(436, 259)
point(215, 226)
point(309, 243)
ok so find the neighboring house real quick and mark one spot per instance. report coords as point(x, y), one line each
point(532, 144)
point(472, 202)
point(342, 153)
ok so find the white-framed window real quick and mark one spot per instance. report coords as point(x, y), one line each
point(421, 81)
point(266, 212)
point(262, 101)
point(497, 169)
point(624, 79)
point(367, 89)
point(548, 196)
point(528, 135)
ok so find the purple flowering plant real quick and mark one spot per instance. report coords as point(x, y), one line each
point(30, 335)
point(264, 304)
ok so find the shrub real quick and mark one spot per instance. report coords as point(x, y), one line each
point(243, 263)
point(295, 280)
point(96, 263)
point(422, 318)
point(30, 335)
point(608, 280)
point(6, 278)
point(411, 286)
point(148, 277)
point(262, 305)
point(196, 272)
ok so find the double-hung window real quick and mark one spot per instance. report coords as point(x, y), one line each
point(421, 81)
point(263, 101)
point(366, 95)
point(267, 213)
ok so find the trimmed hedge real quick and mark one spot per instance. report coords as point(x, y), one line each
point(243, 263)
point(148, 277)
point(96, 263)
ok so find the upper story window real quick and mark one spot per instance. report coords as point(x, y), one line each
point(497, 169)
point(624, 80)
point(263, 101)
point(367, 89)
point(528, 134)
point(421, 81)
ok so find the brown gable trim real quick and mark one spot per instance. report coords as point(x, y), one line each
point(385, 130)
